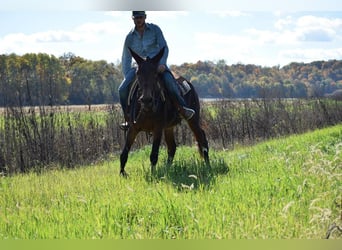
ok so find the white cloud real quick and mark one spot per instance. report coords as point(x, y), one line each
point(293, 39)
point(114, 13)
point(308, 55)
point(215, 46)
point(191, 38)
point(283, 23)
point(98, 28)
point(229, 13)
point(309, 28)
point(318, 29)
point(317, 35)
point(54, 36)
point(155, 15)
point(47, 41)
point(309, 21)
point(291, 31)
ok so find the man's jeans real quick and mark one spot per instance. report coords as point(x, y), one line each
point(125, 87)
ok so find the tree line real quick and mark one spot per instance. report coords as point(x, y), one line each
point(42, 79)
point(295, 80)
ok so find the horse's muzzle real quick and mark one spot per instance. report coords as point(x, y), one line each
point(146, 102)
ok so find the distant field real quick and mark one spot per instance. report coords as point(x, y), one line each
point(288, 188)
point(71, 108)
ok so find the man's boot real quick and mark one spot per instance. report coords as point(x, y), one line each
point(125, 125)
point(186, 113)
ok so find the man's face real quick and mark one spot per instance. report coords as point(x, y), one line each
point(139, 21)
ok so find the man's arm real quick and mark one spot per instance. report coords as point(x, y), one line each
point(162, 43)
point(126, 59)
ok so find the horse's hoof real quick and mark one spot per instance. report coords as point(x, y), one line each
point(153, 170)
point(207, 163)
point(123, 174)
point(169, 162)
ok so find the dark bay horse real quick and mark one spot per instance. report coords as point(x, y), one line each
point(153, 111)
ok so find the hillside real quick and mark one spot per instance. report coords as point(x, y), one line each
point(288, 188)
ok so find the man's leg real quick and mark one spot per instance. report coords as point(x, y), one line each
point(171, 86)
point(124, 89)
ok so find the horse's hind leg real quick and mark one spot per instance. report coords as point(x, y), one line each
point(171, 144)
point(201, 139)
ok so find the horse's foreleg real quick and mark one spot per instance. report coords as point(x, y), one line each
point(171, 144)
point(155, 149)
point(131, 134)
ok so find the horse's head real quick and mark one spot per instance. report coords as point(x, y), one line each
point(147, 74)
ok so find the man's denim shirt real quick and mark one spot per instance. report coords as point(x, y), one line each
point(146, 46)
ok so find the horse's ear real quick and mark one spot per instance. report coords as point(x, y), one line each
point(136, 57)
point(157, 57)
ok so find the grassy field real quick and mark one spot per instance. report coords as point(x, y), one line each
point(279, 189)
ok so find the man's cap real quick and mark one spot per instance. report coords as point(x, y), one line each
point(138, 13)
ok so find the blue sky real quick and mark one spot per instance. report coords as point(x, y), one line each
point(264, 37)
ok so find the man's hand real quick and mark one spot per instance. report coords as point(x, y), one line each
point(161, 68)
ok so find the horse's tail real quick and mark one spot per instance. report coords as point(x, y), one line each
point(192, 99)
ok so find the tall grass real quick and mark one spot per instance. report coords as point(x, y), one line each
point(279, 189)
point(53, 136)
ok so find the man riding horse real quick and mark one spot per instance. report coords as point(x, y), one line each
point(147, 39)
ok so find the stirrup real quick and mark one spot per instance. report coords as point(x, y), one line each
point(124, 126)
